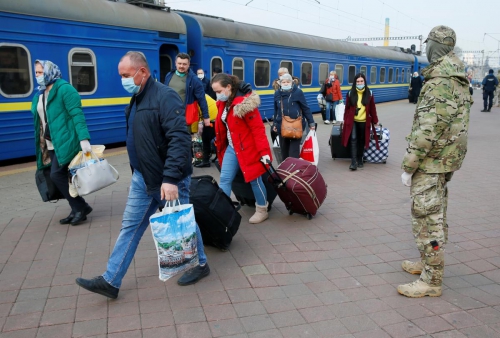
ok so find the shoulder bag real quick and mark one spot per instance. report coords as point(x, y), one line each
point(290, 128)
point(94, 176)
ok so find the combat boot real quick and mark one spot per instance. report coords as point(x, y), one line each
point(418, 289)
point(415, 268)
point(260, 215)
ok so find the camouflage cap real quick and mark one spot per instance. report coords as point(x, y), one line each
point(444, 35)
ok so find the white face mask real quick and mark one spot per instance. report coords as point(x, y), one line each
point(201, 76)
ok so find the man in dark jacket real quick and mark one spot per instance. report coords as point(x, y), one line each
point(158, 146)
point(415, 87)
point(200, 73)
point(490, 83)
point(185, 83)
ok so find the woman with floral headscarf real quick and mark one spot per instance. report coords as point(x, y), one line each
point(60, 132)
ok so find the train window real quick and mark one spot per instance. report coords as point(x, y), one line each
point(362, 70)
point(323, 72)
point(352, 73)
point(216, 63)
point(340, 73)
point(306, 71)
point(391, 74)
point(82, 70)
point(238, 68)
point(382, 75)
point(15, 71)
point(397, 75)
point(403, 76)
point(261, 73)
point(373, 74)
point(288, 65)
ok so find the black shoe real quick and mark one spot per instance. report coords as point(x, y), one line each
point(489, 110)
point(68, 219)
point(483, 111)
point(353, 166)
point(81, 216)
point(360, 163)
point(202, 165)
point(98, 285)
point(194, 275)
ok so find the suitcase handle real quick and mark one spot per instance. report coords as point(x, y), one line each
point(273, 174)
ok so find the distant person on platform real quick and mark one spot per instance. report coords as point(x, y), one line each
point(497, 92)
point(200, 73)
point(490, 83)
point(282, 71)
point(185, 83)
point(415, 88)
point(437, 145)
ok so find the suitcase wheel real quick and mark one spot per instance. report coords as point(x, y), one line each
point(290, 212)
point(309, 216)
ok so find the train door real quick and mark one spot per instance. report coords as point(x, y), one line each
point(167, 57)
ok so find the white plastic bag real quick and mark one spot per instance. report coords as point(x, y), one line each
point(339, 112)
point(174, 234)
point(309, 150)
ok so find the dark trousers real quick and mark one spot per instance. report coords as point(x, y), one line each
point(487, 94)
point(289, 147)
point(207, 136)
point(59, 175)
point(358, 141)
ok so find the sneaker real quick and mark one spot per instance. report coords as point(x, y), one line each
point(327, 122)
point(484, 111)
point(98, 285)
point(415, 268)
point(418, 289)
point(334, 122)
point(194, 275)
point(202, 165)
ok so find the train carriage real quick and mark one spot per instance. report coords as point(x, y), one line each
point(86, 39)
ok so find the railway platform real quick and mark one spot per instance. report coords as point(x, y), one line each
point(332, 276)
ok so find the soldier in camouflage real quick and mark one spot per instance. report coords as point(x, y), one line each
point(437, 146)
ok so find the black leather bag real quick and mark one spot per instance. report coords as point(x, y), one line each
point(329, 98)
point(47, 189)
point(217, 216)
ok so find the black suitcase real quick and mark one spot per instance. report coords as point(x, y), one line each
point(336, 147)
point(244, 193)
point(216, 215)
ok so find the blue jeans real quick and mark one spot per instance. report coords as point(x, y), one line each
point(331, 105)
point(228, 172)
point(140, 206)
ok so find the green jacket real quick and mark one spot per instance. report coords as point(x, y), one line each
point(66, 122)
point(438, 139)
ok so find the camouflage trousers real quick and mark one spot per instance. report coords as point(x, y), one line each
point(429, 195)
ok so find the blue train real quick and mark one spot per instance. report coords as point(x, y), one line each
point(86, 39)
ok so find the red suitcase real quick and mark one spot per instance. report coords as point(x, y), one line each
point(300, 186)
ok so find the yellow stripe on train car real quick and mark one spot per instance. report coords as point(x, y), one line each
point(316, 89)
point(110, 101)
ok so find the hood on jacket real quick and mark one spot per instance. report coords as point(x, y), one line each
point(447, 66)
point(247, 105)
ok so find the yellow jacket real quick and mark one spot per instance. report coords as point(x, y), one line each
point(212, 113)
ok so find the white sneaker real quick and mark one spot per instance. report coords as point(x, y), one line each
point(327, 122)
point(334, 122)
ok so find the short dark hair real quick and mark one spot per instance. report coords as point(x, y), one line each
point(183, 56)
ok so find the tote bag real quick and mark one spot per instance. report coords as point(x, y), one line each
point(94, 176)
point(174, 234)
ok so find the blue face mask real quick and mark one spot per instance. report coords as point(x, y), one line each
point(288, 87)
point(40, 80)
point(180, 74)
point(360, 87)
point(222, 97)
point(129, 84)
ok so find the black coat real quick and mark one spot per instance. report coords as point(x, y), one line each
point(416, 84)
point(162, 142)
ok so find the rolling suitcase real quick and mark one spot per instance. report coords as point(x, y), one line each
point(216, 215)
point(336, 147)
point(244, 193)
point(300, 186)
point(374, 155)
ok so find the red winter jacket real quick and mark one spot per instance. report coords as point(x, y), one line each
point(334, 89)
point(350, 111)
point(247, 133)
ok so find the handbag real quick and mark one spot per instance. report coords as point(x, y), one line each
point(192, 114)
point(329, 97)
point(290, 128)
point(46, 130)
point(94, 176)
point(47, 189)
point(174, 234)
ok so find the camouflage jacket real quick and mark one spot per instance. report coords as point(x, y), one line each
point(438, 139)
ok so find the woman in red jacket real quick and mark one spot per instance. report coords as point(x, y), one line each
point(360, 113)
point(333, 96)
point(241, 139)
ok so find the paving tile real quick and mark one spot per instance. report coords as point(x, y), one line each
point(55, 331)
point(278, 305)
point(220, 312)
point(90, 328)
point(486, 315)
point(28, 333)
point(287, 318)
point(225, 327)
point(164, 332)
point(66, 316)
point(157, 319)
point(190, 315)
point(404, 330)
point(273, 333)
point(23, 321)
point(247, 309)
point(257, 323)
point(304, 330)
point(432, 324)
point(449, 334)
point(358, 323)
point(317, 314)
point(242, 295)
point(479, 332)
point(461, 319)
point(329, 328)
